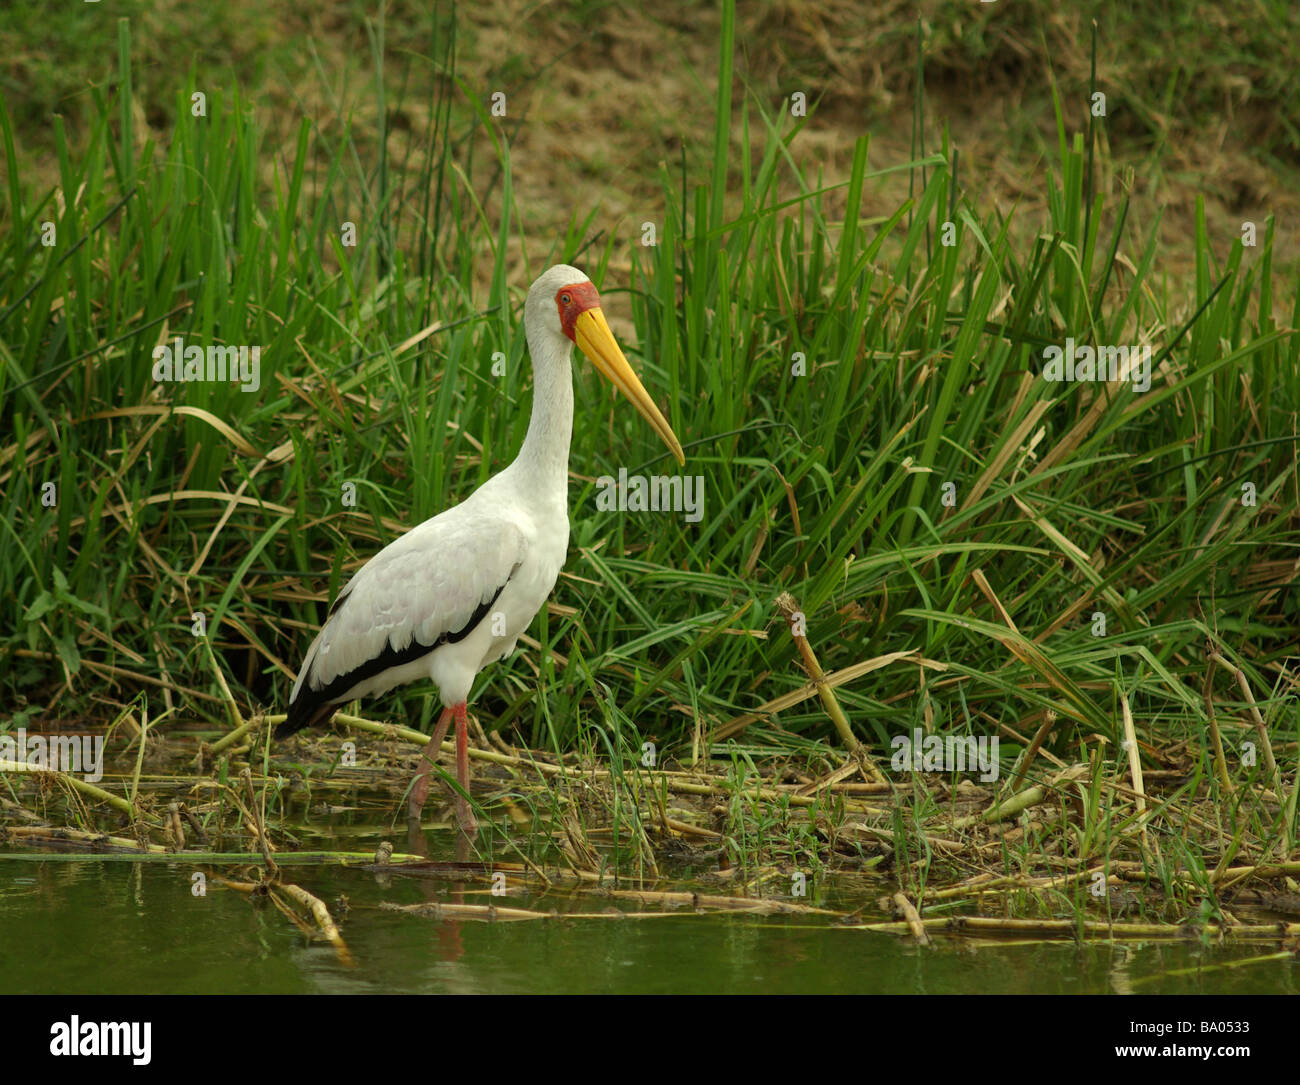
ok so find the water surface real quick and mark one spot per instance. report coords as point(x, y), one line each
point(115, 926)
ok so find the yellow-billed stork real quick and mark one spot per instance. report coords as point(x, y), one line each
point(453, 594)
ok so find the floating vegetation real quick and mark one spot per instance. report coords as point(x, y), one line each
point(1086, 851)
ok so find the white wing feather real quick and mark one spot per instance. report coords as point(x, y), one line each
point(422, 585)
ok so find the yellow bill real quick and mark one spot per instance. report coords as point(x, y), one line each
point(597, 342)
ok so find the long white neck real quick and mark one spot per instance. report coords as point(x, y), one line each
point(543, 459)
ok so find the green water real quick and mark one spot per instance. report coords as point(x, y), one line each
point(127, 927)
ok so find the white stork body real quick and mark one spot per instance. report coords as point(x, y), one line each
point(454, 593)
point(499, 551)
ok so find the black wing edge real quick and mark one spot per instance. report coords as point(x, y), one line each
point(314, 706)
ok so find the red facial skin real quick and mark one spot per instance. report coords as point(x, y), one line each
point(582, 296)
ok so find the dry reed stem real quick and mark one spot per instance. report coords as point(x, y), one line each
point(1022, 800)
point(1085, 929)
point(59, 835)
point(686, 829)
point(225, 742)
point(1040, 736)
point(789, 608)
point(992, 883)
point(1207, 694)
point(175, 829)
point(911, 918)
point(1261, 731)
point(490, 913)
point(18, 810)
point(227, 697)
point(678, 782)
point(686, 899)
point(835, 678)
point(253, 820)
point(1236, 874)
point(116, 801)
point(1135, 770)
point(321, 914)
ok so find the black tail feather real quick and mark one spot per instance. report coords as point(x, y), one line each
point(304, 712)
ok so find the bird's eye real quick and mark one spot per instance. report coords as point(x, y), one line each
point(566, 299)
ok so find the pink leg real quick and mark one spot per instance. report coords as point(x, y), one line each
point(464, 815)
point(420, 789)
